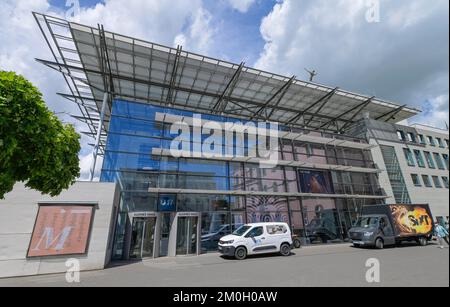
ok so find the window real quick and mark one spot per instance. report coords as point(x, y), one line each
point(447, 143)
point(431, 141)
point(426, 181)
point(416, 180)
point(437, 182)
point(429, 160)
point(421, 139)
point(445, 181)
point(419, 158)
point(445, 156)
point(409, 157)
point(255, 232)
point(412, 137)
point(439, 162)
point(441, 144)
point(276, 229)
point(401, 135)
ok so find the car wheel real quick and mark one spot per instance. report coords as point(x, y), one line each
point(285, 249)
point(240, 253)
point(297, 243)
point(379, 244)
point(423, 241)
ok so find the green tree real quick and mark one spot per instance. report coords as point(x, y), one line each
point(35, 147)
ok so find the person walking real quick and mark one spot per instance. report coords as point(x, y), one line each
point(441, 233)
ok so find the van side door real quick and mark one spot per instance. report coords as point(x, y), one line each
point(256, 240)
point(277, 234)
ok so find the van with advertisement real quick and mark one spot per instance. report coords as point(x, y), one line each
point(384, 225)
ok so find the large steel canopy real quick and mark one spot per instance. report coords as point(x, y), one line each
point(94, 61)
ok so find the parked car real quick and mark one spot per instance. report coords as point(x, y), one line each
point(259, 238)
point(210, 240)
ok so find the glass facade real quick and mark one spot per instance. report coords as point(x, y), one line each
point(232, 193)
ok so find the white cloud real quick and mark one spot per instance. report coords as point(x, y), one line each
point(158, 21)
point(199, 34)
point(86, 165)
point(241, 5)
point(403, 58)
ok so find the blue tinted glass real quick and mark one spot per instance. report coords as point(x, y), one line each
point(208, 168)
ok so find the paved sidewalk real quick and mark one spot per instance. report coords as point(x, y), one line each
point(337, 265)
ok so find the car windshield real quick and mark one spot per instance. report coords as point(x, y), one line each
point(367, 222)
point(241, 230)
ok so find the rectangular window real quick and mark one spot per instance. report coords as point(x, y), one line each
point(447, 143)
point(419, 158)
point(440, 142)
point(431, 141)
point(426, 181)
point(401, 135)
point(439, 162)
point(421, 139)
point(416, 180)
point(429, 159)
point(412, 137)
point(445, 156)
point(409, 157)
point(445, 181)
point(437, 182)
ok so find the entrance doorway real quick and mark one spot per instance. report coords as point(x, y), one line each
point(142, 237)
point(187, 235)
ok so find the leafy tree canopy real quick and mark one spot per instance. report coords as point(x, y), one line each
point(35, 147)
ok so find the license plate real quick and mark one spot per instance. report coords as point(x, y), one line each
point(358, 242)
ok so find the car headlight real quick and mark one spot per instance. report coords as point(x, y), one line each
point(228, 242)
point(368, 233)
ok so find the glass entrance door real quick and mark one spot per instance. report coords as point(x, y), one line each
point(187, 235)
point(142, 237)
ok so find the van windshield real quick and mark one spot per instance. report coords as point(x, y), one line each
point(367, 222)
point(241, 230)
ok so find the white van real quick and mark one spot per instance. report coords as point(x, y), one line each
point(260, 238)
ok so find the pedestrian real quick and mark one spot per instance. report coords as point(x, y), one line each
point(441, 233)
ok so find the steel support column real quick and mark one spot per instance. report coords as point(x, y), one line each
point(99, 133)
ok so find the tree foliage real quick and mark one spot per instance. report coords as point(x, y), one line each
point(35, 147)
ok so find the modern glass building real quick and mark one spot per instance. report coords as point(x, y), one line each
point(130, 92)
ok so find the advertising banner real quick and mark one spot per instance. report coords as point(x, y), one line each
point(61, 230)
point(411, 219)
point(315, 182)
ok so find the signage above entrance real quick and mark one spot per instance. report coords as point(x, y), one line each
point(167, 203)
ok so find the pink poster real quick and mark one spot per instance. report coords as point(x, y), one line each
point(61, 230)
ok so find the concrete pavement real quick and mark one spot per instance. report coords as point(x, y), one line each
point(337, 265)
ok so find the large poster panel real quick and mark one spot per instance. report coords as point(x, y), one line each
point(318, 182)
point(411, 219)
point(61, 230)
point(267, 209)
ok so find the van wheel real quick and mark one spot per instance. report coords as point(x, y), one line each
point(285, 249)
point(240, 253)
point(423, 241)
point(379, 244)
